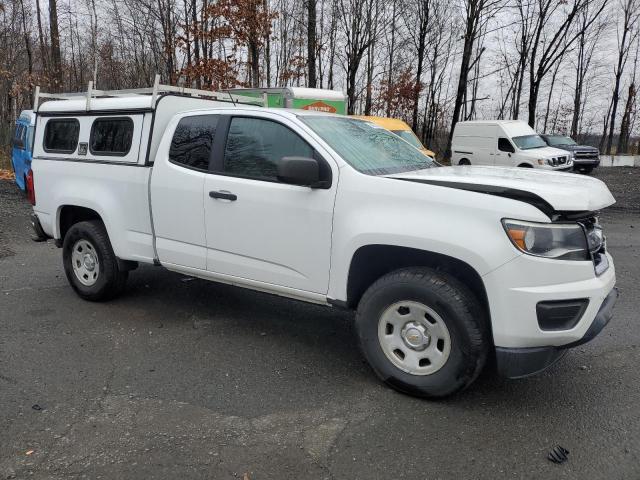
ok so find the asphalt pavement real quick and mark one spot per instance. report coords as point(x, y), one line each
point(182, 378)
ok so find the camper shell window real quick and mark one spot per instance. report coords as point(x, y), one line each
point(61, 135)
point(111, 136)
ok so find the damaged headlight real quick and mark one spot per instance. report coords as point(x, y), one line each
point(563, 241)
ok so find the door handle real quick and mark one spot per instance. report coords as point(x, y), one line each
point(223, 195)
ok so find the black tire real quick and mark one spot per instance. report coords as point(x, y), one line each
point(586, 170)
point(460, 310)
point(110, 280)
point(525, 165)
point(464, 161)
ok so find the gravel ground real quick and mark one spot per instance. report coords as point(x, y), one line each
point(624, 183)
point(14, 211)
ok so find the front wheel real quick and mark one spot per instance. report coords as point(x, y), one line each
point(90, 264)
point(423, 332)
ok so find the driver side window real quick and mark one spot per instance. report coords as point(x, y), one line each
point(504, 145)
point(255, 146)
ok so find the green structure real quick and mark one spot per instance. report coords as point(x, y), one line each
point(330, 101)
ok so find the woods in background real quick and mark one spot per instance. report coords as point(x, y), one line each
point(563, 66)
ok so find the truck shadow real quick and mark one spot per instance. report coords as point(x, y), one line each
point(324, 340)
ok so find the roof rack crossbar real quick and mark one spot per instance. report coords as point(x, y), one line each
point(157, 90)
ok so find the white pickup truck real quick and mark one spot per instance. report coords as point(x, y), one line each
point(444, 266)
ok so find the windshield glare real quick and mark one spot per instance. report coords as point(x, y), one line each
point(527, 142)
point(555, 140)
point(409, 137)
point(366, 147)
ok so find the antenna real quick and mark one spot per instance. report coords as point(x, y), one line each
point(231, 97)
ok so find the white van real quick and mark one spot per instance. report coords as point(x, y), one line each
point(505, 143)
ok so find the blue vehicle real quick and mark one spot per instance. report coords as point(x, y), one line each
point(22, 149)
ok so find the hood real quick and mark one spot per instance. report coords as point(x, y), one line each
point(551, 192)
point(543, 152)
point(577, 148)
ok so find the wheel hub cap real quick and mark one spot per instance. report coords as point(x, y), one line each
point(415, 336)
point(89, 262)
point(84, 261)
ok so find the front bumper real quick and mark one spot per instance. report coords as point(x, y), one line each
point(579, 164)
point(523, 362)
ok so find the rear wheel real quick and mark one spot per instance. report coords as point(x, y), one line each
point(90, 264)
point(464, 161)
point(423, 332)
point(525, 165)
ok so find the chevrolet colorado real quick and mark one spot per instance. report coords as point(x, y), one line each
point(444, 266)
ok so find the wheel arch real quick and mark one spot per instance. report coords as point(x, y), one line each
point(370, 262)
point(68, 215)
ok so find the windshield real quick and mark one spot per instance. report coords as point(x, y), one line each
point(408, 136)
point(366, 147)
point(527, 142)
point(556, 140)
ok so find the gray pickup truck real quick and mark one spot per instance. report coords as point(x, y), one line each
point(585, 158)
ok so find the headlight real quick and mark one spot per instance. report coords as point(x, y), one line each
point(595, 238)
point(559, 241)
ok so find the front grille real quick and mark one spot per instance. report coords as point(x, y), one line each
point(587, 155)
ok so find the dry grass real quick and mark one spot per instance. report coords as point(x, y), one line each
point(5, 159)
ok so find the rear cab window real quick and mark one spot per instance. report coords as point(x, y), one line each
point(61, 135)
point(192, 141)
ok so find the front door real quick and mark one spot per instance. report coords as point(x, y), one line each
point(258, 228)
point(504, 152)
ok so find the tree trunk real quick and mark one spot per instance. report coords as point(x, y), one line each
point(553, 83)
point(625, 130)
point(614, 110)
point(267, 48)
point(196, 40)
point(392, 54)
point(254, 53)
point(43, 48)
point(422, 38)
point(368, 103)
point(56, 58)
point(577, 99)
point(311, 42)
point(27, 39)
point(469, 39)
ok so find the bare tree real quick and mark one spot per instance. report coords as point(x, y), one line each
point(588, 41)
point(311, 42)
point(418, 13)
point(476, 14)
point(630, 14)
point(549, 46)
point(626, 124)
point(356, 20)
point(56, 58)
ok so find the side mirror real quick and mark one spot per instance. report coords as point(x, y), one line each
point(299, 171)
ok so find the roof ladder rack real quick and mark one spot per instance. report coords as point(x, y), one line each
point(157, 90)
